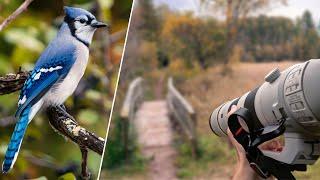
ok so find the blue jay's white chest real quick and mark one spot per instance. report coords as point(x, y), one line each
point(61, 91)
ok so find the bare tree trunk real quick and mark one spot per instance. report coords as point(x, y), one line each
point(202, 62)
point(228, 30)
point(231, 27)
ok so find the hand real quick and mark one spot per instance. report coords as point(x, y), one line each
point(243, 170)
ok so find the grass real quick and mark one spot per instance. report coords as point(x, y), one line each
point(213, 154)
point(127, 171)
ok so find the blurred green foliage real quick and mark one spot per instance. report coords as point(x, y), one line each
point(21, 43)
point(115, 151)
point(117, 162)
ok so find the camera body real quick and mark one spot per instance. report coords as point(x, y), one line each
point(293, 96)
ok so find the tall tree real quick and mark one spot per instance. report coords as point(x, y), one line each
point(307, 41)
point(149, 24)
point(307, 22)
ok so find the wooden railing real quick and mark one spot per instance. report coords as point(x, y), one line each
point(183, 114)
point(133, 100)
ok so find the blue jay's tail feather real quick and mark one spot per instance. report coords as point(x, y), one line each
point(16, 140)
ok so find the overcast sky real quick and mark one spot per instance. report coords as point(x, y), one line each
point(294, 8)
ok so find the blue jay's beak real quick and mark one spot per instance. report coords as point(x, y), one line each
point(97, 24)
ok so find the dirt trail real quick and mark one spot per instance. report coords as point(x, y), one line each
point(155, 138)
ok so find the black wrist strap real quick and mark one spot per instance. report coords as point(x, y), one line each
point(251, 139)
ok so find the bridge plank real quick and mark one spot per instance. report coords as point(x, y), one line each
point(155, 137)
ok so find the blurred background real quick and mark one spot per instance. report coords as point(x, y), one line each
point(215, 50)
point(45, 153)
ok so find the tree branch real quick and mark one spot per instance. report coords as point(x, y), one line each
point(67, 126)
point(60, 120)
point(15, 14)
point(84, 171)
point(12, 82)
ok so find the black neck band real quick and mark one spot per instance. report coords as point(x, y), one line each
point(85, 43)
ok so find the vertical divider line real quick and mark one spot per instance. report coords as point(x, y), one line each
point(116, 89)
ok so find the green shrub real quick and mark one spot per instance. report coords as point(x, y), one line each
point(115, 155)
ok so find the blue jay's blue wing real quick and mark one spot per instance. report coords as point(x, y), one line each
point(46, 73)
point(36, 86)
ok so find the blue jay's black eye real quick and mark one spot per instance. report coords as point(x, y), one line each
point(82, 21)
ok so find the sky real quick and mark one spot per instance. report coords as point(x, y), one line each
point(293, 9)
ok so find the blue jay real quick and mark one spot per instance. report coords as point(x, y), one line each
point(55, 75)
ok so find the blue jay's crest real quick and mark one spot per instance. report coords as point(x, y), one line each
point(73, 12)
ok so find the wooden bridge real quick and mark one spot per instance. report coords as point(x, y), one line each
point(154, 123)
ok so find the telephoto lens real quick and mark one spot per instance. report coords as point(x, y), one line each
point(291, 97)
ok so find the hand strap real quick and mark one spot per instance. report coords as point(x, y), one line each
point(263, 165)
